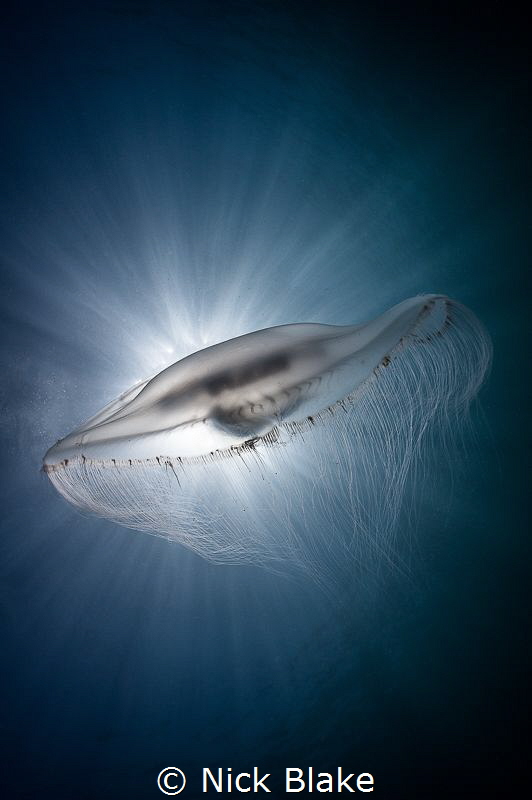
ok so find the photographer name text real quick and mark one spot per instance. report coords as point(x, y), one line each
point(172, 780)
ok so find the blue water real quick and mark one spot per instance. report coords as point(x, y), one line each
point(176, 174)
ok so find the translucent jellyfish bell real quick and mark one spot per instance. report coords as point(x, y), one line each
point(224, 450)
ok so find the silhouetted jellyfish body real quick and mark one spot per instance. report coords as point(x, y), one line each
point(282, 444)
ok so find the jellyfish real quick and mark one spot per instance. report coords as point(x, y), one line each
point(284, 445)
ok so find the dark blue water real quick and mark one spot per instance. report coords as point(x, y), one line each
point(176, 174)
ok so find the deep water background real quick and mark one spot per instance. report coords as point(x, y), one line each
point(176, 174)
